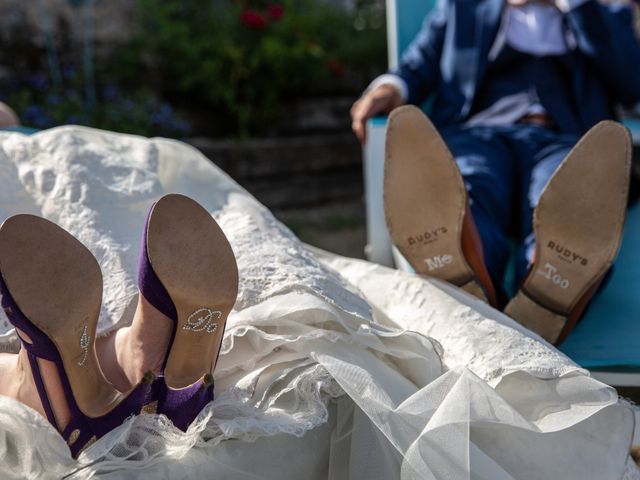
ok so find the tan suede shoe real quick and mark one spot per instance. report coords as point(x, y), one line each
point(426, 207)
point(578, 225)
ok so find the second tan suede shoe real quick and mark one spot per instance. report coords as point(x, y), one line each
point(578, 225)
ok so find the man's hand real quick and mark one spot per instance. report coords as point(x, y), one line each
point(8, 117)
point(381, 99)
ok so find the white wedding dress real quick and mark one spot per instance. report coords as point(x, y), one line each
point(331, 368)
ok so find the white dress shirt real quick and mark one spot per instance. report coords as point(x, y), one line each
point(533, 28)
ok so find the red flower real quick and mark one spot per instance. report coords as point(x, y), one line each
point(335, 67)
point(276, 11)
point(253, 19)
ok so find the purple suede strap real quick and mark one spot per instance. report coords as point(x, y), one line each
point(149, 284)
point(182, 405)
point(42, 391)
point(77, 435)
point(81, 429)
point(41, 346)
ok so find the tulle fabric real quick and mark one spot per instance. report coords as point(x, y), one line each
point(331, 368)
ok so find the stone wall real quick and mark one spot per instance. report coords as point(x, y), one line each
point(292, 173)
point(314, 184)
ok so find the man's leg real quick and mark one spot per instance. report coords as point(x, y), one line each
point(487, 166)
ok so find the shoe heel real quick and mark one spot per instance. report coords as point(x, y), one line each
point(182, 406)
point(474, 288)
point(535, 317)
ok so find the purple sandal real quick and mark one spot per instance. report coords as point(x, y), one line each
point(187, 272)
point(51, 289)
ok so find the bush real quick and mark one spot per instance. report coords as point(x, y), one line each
point(243, 61)
point(41, 105)
point(232, 67)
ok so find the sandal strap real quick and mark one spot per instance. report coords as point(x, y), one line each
point(78, 435)
point(40, 350)
point(183, 405)
point(40, 346)
point(151, 288)
point(42, 391)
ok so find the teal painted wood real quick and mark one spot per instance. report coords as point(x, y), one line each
point(25, 130)
point(409, 17)
point(379, 121)
point(633, 124)
point(609, 334)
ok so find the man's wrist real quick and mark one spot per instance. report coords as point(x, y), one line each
point(393, 81)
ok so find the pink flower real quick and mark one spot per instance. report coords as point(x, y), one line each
point(276, 11)
point(253, 19)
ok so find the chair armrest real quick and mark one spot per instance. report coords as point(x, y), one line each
point(378, 247)
point(633, 124)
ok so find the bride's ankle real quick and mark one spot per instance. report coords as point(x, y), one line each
point(26, 392)
point(113, 367)
point(132, 351)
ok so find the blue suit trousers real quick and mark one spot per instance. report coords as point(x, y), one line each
point(505, 170)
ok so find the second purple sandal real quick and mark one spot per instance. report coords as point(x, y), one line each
point(188, 272)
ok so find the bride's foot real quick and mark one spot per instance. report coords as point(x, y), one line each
point(51, 290)
point(18, 383)
point(188, 281)
point(129, 352)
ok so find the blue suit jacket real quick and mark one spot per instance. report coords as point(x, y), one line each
point(450, 55)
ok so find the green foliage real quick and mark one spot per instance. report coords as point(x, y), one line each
point(41, 105)
point(244, 60)
point(233, 66)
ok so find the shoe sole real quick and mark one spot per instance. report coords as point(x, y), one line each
point(57, 284)
point(578, 234)
point(192, 257)
point(425, 200)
